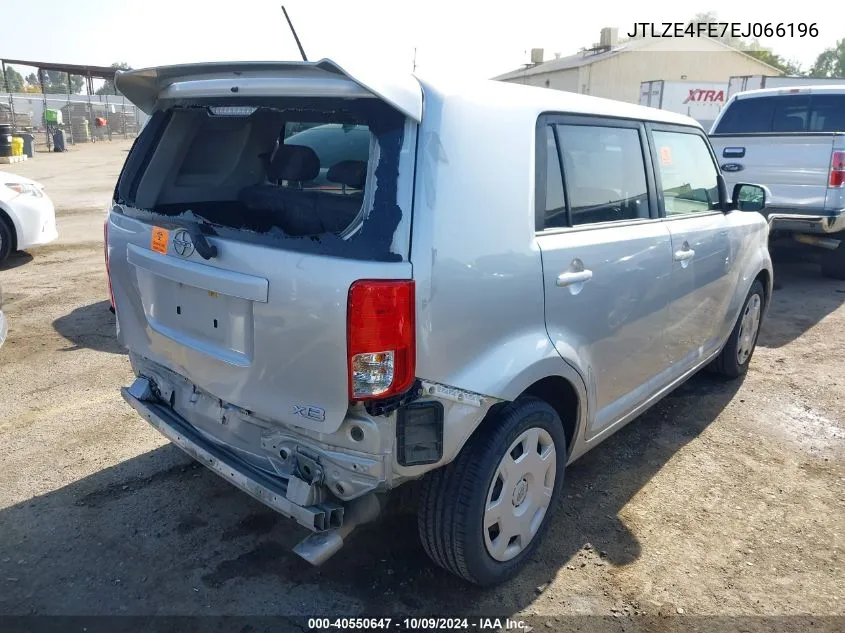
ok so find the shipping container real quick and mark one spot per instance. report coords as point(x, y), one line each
point(701, 100)
point(741, 83)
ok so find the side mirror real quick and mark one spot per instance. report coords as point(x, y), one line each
point(748, 197)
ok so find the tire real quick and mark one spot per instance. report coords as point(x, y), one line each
point(736, 355)
point(7, 238)
point(453, 499)
point(833, 262)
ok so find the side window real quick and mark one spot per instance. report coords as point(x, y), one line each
point(688, 176)
point(555, 215)
point(605, 173)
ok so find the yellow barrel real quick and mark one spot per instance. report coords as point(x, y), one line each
point(17, 146)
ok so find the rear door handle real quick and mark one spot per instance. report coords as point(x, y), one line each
point(567, 279)
point(684, 255)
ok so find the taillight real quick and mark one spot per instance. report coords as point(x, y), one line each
point(837, 169)
point(381, 338)
point(106, 253)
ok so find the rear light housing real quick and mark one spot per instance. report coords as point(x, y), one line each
point(837, 169)
point(381, 338)
point(106, 253)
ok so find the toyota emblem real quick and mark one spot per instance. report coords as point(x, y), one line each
point(182, 243)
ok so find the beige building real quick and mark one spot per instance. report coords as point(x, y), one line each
point(615, 71)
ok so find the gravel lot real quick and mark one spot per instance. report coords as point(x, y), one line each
point(725, 499)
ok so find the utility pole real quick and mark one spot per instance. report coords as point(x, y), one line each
point(415, 59)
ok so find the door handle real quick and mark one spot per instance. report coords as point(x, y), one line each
point(684, 255)
point(567, 279)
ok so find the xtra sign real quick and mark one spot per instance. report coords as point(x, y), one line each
point(698, 95)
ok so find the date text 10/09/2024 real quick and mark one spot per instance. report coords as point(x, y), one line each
point(724, 29)
point(419, 624)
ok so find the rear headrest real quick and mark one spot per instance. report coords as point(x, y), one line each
point(294, 162)
point(352, 173)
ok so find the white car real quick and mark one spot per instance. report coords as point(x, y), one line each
point(27, 216)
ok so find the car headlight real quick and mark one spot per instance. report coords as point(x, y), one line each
point(25, 189)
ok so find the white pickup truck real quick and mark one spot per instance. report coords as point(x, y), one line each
point(792, 140)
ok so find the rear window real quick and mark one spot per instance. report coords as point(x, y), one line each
point(784, 114)
point(274, 170)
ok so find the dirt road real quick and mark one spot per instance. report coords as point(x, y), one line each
point(725, 499)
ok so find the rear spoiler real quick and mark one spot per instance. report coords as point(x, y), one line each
point(148, 86)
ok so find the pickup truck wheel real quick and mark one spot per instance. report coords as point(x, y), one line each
point(833, 262)
point(482, 516)
point(736, 355)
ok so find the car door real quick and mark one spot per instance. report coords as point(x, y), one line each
point(703, 253)
point(606, 259)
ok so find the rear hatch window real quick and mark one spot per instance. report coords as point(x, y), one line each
point(317, 175)
point(784, 114)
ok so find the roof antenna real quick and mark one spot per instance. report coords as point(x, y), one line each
point(292, 30)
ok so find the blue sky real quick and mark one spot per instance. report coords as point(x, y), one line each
point(468, 38)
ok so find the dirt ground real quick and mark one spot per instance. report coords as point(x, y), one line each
point(725, 499)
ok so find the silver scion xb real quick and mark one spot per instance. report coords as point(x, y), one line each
point(333, 283)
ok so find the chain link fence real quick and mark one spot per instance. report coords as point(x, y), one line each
point(85, 118)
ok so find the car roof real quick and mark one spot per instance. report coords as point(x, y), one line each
point(534, 100)
point(788, 90)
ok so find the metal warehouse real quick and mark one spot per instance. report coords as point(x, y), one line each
point(615, 70)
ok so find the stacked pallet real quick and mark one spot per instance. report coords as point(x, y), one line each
point(21, 120)
point(122, 122)
point(80, 117)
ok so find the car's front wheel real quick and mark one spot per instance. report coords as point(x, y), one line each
point(736, 355)
point(483, 515)
point(5, 239)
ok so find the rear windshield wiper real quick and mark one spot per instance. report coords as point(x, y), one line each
point(197, 230)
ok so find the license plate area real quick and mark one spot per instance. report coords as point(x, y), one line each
point(210, 322)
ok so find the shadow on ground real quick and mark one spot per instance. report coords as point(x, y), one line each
point(802, 296)
point(159, 534)
point(91, 327)
point(18, 258)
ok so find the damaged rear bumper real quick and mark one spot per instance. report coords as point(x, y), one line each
point(277, 493)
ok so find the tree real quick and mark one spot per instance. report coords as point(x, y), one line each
point(831, 62)
point(108, 87)
point(787, 67)
point(55, 82)
point(14, 78)
point(710, 17)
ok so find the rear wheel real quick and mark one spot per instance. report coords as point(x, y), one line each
point(6, 239)
point(482, 516)
point(833, 262)
point(735, 357)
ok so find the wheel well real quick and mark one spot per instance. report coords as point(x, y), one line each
point(4, 217)
point(765, 279)
point(559, 393)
